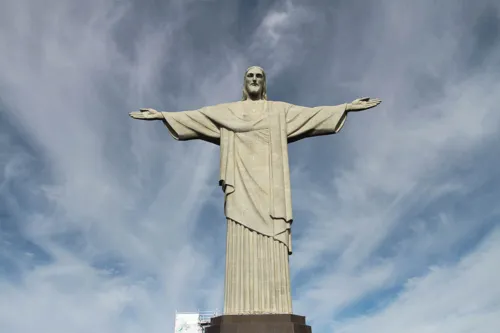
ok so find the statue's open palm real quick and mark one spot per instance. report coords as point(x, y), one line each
point(364, 103)
point(146, 114)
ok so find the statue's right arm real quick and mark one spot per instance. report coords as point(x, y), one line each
point(184, 125)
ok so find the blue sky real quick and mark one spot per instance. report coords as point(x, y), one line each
point(109, 225)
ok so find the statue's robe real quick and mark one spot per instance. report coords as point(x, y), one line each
point(255, 177)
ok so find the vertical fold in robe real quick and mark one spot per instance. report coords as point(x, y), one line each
point(226, 178)
point(257, 273)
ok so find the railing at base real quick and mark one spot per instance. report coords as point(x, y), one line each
point(205, 317)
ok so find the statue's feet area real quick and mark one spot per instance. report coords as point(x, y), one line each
point(268, 323)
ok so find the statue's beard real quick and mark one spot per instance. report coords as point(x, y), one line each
point(254, 90)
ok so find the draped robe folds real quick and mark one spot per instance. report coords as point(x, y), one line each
point(255, 178)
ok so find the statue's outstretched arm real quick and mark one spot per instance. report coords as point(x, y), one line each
point(303, 122)
point(184, 125)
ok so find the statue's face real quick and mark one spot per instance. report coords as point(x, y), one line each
point(254, 81)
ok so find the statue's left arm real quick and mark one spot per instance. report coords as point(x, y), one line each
point(303, 122)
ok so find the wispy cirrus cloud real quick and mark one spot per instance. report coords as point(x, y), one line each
point(107, 218)
point(456, 297)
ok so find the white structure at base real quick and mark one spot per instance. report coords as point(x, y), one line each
point(193, 322)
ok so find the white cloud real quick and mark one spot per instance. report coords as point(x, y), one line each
point(278, 37)
point(371, 227)
point(69, 86)
point(119, 205)
point(458, 298)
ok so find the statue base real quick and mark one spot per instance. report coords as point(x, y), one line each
point(266, 323)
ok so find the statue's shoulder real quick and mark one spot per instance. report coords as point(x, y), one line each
point(225, 105)
point(221, 107)
point(279, 105)
point(239, 104)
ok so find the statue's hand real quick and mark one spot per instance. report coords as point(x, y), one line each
point(364, 103)
point(146, 114)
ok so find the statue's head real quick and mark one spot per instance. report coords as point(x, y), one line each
point(254, 84)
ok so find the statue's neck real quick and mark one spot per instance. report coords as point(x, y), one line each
point(255, 98)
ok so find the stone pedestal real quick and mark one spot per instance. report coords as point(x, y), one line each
point(269, 323)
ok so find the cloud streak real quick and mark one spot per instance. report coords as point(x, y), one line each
point(107, 218)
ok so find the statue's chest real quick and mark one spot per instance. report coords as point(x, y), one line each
point(252, 111)
point(248, 116)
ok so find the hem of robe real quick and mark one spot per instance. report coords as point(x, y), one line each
point(342, 120)
point(173, 133)
point(282, 237)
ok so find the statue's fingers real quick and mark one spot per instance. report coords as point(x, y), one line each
point(136, 115)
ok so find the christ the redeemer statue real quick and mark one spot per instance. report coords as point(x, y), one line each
point(254, 174)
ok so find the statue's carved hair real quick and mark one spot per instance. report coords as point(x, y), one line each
point(264, 85)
